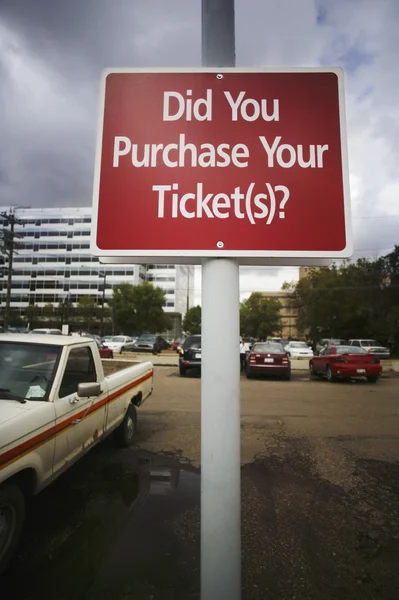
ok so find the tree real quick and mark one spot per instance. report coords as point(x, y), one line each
point(348, 301)
point(31, 313)
point(139, 308)
point(88, 311)
point(260, 316)
point(123, 307)
point(48, 311)
point(192, 320)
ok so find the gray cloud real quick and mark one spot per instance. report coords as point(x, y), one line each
point(52, 52)
point(50, 61)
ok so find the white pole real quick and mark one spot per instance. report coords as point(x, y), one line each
point(220, 432)
point(220, 388)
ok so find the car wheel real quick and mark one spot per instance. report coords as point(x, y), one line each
point(126, 431)
point(12, 515)
point(329, 374)
point(287, 376)
point(182, 371)
point(249, 374)
point(312, 372)
point(111, 354)
point(372, 379)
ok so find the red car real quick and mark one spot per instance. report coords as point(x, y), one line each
point(345, 362)
point(105, 352)
point(267, 358)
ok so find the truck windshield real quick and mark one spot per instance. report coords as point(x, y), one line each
point(27, 370)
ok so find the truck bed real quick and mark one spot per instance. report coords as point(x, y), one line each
point(111, 366)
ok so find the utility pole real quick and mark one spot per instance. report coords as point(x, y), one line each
point(104, 276)
point(8, 244)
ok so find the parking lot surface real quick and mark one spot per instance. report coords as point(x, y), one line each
point(320, 500)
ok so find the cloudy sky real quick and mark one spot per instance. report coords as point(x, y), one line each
point(52, 53)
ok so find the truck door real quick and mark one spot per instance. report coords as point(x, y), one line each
point(79, 421)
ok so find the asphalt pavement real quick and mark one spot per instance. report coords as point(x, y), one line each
point(320, 491)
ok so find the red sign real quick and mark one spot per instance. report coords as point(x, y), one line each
point(222, 163)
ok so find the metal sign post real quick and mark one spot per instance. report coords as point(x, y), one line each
point(220, 386)
point(223, 166)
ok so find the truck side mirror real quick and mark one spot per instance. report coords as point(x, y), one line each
point(89, 389)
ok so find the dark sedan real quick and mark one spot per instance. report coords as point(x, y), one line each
point(190, 354)
point(267, 358)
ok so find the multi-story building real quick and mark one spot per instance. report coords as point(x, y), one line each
point(52, 262)
point(288, 313)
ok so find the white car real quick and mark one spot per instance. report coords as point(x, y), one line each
point(45, 331)
point(371, 346)
point(298, 350)
point(120, 343)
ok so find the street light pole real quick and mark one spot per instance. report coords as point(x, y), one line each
point(8, 243)
point(104, 276)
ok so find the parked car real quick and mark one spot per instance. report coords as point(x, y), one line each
point(268, 358)
point(176, 343)
point(190, 354)
point(104, 351)
point(55, 404)
point(120, 343)
point(371, 346)
point(298, 350)
point(149, 342)
point(330, 342)
point(335, 362)
point(45, 331)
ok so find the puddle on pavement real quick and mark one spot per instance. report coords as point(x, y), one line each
point(119, 524)
point(124, 525)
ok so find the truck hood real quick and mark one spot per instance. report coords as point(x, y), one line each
point(10, 409)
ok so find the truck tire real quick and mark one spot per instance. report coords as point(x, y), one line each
point(126, 432)
point(182, 371)
point(12, 516)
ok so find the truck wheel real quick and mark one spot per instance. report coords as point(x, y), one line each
point(12, 515)
point(126, 431)
point(182, 371)
point(372, 379)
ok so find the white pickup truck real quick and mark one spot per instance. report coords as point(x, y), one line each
point(55, 404)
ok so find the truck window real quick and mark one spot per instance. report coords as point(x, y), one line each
point(80, 368)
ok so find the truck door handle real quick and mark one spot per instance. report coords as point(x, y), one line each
point(73, 400)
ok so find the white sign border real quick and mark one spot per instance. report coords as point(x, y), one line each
point(249, 256)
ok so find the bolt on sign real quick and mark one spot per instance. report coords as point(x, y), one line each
point(222, 163)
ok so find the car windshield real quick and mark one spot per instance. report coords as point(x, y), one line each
point(350, 350)
point(370, 343)
point(269, 348)
point(27, 370)
point(117, 339)
point(147, 339)
point(192, 342)
point(298, 345)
